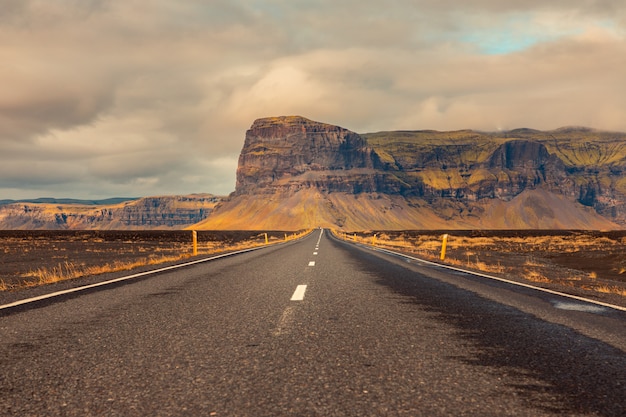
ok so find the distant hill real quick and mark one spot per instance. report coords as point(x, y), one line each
point(295, 173)
point(166, 212)
point(50, 200)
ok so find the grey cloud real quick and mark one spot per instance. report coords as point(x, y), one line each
point(118, 168)
point(21, 120)
point(12, 11)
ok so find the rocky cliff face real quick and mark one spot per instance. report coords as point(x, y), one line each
point(583, 165)
point(297, 172)
point(292, 153)
point(512, 167)
point(175, 212)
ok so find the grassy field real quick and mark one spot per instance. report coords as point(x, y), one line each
point(32, 258)
point(588, 263)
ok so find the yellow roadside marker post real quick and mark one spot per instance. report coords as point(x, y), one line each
point(194, 235)
point(444, 243)
point(266, 240)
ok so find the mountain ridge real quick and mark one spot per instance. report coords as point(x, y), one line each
point(54, 200)
point(157, 212)
point(425, 179)
point(295, 173)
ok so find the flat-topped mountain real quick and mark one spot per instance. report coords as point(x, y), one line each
point(292, 153)
point(295, 173)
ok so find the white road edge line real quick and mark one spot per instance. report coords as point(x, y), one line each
point(298, 294)
point(128, 277)
point(520, 284)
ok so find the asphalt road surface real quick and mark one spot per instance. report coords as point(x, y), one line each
point(316, 327)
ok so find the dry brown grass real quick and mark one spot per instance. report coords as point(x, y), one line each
point(531, 262)
point(536, 276)
point(611, 289)
point(464, 251)
point(68, 270)
point(493, 268)
point(477, 265)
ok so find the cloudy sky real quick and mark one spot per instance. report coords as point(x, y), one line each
point(104, 98)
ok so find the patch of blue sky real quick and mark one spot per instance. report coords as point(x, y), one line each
point(502, 43)
point(275, 9)
point(612, 26)
point(515, 34)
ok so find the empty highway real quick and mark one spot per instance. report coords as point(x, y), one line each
point(316, 327)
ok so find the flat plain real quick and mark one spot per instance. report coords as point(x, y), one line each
point(584, 263)
point(590, 264)
point(32, 258)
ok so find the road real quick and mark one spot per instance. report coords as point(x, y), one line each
point(316, 327)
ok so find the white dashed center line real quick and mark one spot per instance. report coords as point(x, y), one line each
point(312, 263)
point(319, 238)
point(298, 294)
point(314, 253)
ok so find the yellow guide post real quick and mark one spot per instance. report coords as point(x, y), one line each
point(194, 234)
point(266, 240)
point(444, 243)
